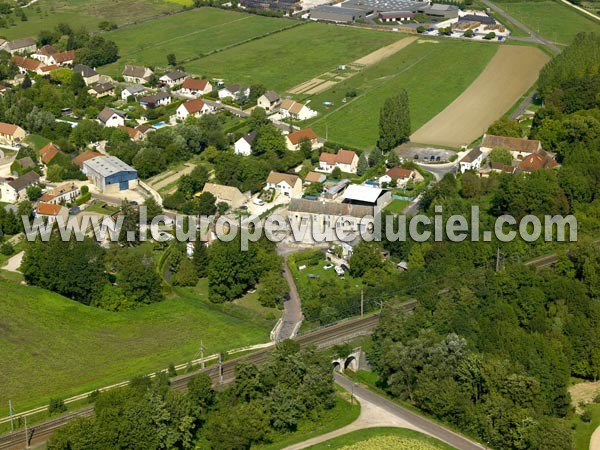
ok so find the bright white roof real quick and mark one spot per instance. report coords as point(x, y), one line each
point(362, 193)
point(108, 165)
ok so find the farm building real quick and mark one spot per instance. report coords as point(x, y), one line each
point(110, 174)
point(518, 147)
point(362, 195)
point(396, 16)
point(337, 14)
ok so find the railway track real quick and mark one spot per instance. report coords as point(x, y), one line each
point(322, 338)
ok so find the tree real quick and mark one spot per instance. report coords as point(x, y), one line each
point(171, 59)
point(153, 209)
point(363, 165)
point(375, 157)
point(491, 35)
point(394, 122)
point(306, 148)
point(365, 256)
point(469, 33)
point(273, 289)
point(138, 279)
point(501, 155)
point(26, 84)
point(336, 173)
point(269, 141)
point(393, 160)
point(200, 258)
point(258, 118)
point(201, 393)
point(505, 127)
point(34, 192)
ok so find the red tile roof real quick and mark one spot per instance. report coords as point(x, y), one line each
point(537, 161)
point(48, 152)
point(82, 157)
point(8, 128)
point(194, 106)
point(298, 136)
point(48, 209)
point(27, 63)
point(396, 173)
point(194, 85)
point(345, 156)
point(511, 143)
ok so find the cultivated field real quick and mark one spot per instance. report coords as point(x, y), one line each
point(510, 73)
point(291, 57)
point(552, 20)
point(188, 35)
point(46, 14)
point(83, 348)
point(433, 74)
point(329, 79)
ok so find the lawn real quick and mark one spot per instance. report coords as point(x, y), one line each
point(100, 207)
point(54, 347)
point(583, 430)
point(285, 59)
point(552, 20)
point(396, 206)
point(434, 73)
point(409, 436)
point(46, 14)
point(187, 35)
point(36, 141)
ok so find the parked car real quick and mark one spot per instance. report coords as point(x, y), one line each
point(344, 267)
point(312, 275)
point(258, 202)
point(327, 266)
point(244, 208)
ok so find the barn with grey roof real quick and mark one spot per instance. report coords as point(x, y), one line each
point(110, 174)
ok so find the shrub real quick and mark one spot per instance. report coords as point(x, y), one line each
point(421, 29)
point(56, 406)
point(7, 249)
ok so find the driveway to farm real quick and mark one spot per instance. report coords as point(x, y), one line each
point(510, 73)
point(376, 411)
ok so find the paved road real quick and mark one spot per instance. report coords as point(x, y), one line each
point(534, 36)
point(416, 421)
point(595, 440)
point(292, 313)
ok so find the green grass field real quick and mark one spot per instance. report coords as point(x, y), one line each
point(46, 14)
point(370, 433)
point(188, 35)
point(582, 431)
point(551, 19)
point(434, 74)
point(55, 347)
point(286, 59)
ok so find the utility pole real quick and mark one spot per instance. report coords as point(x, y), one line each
point(10, 413)
point(202, 354)
point(497, 259)
point(362, 303)
point(220, 369)
point(26, 433)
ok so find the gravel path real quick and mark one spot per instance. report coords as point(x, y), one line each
point(13, 264)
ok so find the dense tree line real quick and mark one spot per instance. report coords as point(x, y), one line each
point(261, 405)
point(394, 122)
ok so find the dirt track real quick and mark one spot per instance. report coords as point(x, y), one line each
point(509, 74)
point(318, 85)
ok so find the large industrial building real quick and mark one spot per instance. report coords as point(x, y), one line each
point(110, 174)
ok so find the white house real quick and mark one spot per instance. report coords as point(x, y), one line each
point(16, 190)
point(110, 117)
point(295, 110)
point(472, 160)
point(193, 108)
point(269, 101)
point(195, 88)
point(173, 78)
point(132, 90)
point(234, 91)
point(346, 160)
point(243, 146)
point(286, 184)
point(51, 211)
point(161, 98)
point(398, 174)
